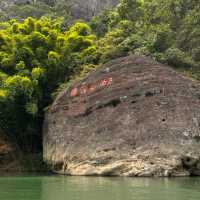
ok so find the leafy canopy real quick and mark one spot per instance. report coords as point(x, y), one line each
point(36, 55)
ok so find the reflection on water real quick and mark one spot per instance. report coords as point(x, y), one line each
point(97, 188)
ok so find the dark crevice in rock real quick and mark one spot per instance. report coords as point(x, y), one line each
point(191, 165)
point(58, 166)
point(113, 103)
point(197, 138)
point(133, 102)
point(149, 94)
point(87, 112)
point(110, 149)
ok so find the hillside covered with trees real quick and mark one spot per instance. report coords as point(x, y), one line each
point(39, 54)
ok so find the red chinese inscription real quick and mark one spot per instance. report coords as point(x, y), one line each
point(74, 92)
point(91, 88)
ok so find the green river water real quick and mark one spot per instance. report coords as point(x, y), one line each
point(97, 188)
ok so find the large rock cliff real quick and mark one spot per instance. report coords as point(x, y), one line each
point(131, 117)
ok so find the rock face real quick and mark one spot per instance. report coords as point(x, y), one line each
point(131, 117)
point(85, 9)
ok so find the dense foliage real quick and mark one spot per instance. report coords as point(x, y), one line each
point(35, 57)
point(168, 30)
point(38, 54)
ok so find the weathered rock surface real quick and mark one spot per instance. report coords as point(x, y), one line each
point(131, 117)
point(85, 9)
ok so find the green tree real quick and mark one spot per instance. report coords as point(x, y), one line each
point(36, 56)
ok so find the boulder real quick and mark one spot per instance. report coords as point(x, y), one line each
point(130, 117)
